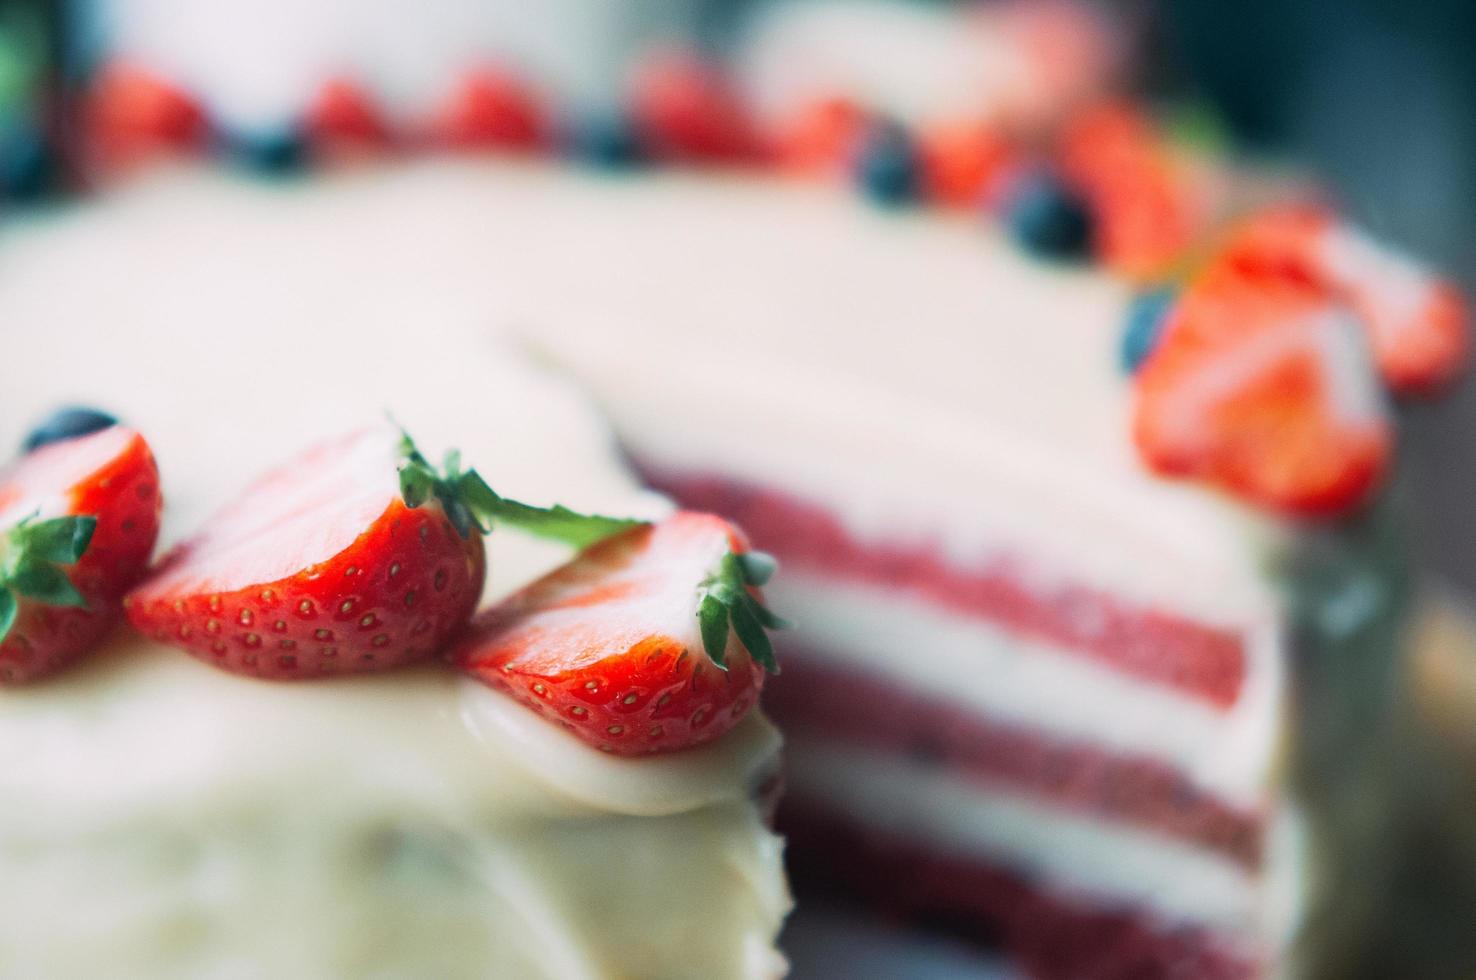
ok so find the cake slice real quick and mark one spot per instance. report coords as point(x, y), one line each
point(411, 821)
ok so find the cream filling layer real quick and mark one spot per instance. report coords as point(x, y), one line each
point(1102, 862)
point(1009, 677)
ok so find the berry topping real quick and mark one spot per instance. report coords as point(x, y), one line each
point(1049, 219)
point(356, 556)
point(1265, 386)
point(685, 110)
point(822, 137)
point(131, 113)
point(28, 165)
point(343, 114)
point(887, 167)
point(607, 140)
point(1146, 316)
point(629, 645)
point(1417, 323)
point(963, 164)
point(66, 423)
point(271, 150)
point(490, 109)
point(78, 521)
point(1146, 204)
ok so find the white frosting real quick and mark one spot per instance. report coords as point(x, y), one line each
point(1008, 678)
point(197, 824)
point(1078, 855)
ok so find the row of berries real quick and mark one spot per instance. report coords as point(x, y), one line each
point(1261, 372)
point(361, 556)
point(1106, 185)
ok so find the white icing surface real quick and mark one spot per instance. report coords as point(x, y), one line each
point(1076, 854)
point(196, 824)
point(1014, 679)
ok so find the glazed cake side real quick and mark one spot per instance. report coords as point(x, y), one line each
point(414, 822)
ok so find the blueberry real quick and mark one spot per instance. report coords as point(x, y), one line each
point(1050, 220)
point(28, 165)
point(1145, 318)
point(606, 140)
point(67, 423)
point(887, 167)
point(273, 151)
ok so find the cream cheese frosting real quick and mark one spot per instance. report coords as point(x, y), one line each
point(194, 823)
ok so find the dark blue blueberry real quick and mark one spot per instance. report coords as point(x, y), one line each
point(1145, 318)
point(887, 166)
point(273, 151)
point(1048, 219)
point(28, 165)
point(67, 423)
point(607, 140)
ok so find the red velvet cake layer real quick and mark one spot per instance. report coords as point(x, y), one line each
point(853, 707)
point(1148, 643)
point(1051, 935)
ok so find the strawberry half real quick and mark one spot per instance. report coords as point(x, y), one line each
point(686, 110)
point(1418, 324)
point(1147, 205)
point(495, 110)
point(131, 114)
point(356, 556)
point(342, 117)
point(1265, 386)
point(78, 521)
point(611, 644)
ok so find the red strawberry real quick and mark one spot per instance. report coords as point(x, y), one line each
point(611, 644)
point(91, 503)
point(822, 137)
point(131, 114)
point(492, 110)
point(964, 163)
point(1146, 204)
point(685, 110)
point(1417, 323)
point(343, 114)
point(356, 556)
point(1265, 386)
point(321, 567)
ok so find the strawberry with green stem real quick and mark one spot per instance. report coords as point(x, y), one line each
point(652, 640)
point(357, 556)
point(78, 522)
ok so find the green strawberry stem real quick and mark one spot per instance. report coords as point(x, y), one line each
point(470, 503)
point(32, 554)
point(727, 600)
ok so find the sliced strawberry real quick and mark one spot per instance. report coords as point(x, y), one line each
point(1418, 324)
point(78, 521)
point(822, 137)
point(1146, 204)
point(611, 644)
point(686, 110)
point(356, 556)
point(344, 115)
point(131, 113)
point(491, 109)
point(1265, 386)
point(964, 163)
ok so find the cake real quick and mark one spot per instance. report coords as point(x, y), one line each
point(1098, 588)
point(413, 822)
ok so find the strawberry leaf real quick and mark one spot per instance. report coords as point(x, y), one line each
point(63, 540)
point(757, 567)
point(7, 612)
point(471, 504)
point(712, 617)
point(44, 582)
point(726, 598)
